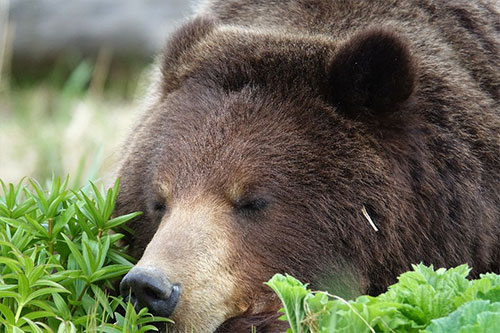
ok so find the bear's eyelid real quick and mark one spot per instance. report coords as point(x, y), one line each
point(251, 204)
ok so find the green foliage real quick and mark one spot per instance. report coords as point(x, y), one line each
point(58, 256)
point(423, 300)
point(472, 317)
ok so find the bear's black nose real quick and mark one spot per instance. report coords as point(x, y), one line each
point(149, 287)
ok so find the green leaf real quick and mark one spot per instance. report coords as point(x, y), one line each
point(103, 252)
point(12, 264)
point(109, 272)
point(102, 299)
point(45, 291)
point(34, 326)
point(39, 196)
point(23, 287)
point(88, 254)
point(7, 314)
point(5, 294)
point(54, 206)
point(66, 327)
point(18, 223)
point(25, 208)
point(91, 212)
point(63, 220)
point(97, 195)
point(61, 306)
point(4, 211)
point(117, 221)
point(121, 258)
point(292, 293)
point(110, 200)
point(38, 227)
point(83, 222)
point(39, 314)
point(6, 287)
point(77, 256)
point(474, 316)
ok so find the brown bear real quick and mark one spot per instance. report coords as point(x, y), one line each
point(338, 141)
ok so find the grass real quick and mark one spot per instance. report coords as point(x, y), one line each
point(69, 118)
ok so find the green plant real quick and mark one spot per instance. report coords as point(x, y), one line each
point(423, 300)
point(58, 256)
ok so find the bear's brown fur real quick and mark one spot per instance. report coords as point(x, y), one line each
point(273, 126)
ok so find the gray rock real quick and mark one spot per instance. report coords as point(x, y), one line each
point(48, 28)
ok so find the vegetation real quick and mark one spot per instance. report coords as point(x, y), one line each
point(68, 119)
point(58, 256)
point(423, 300)
point(60, 252)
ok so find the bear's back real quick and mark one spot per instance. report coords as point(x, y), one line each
point(447, 34)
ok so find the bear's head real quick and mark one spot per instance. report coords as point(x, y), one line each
point(255, 157)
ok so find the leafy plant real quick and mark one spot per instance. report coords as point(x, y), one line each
point(58, 256)
point(423, 300)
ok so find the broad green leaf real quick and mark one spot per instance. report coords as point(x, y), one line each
point(474, 316)
point(292, 293)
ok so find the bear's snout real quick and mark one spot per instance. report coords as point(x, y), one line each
point(149, 287)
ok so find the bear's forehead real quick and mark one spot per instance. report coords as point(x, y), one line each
point(233, 139)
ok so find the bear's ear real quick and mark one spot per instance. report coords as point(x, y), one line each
point(371, 74)
point(176, 52)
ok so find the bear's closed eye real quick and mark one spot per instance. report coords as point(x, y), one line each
point(159, 207)
point(250, 205)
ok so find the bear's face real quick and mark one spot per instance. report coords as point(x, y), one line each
point(229, 189)
point(242, 170)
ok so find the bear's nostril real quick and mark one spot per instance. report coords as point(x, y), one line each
point(149, 287)
point(148, 292)
point(130, 297)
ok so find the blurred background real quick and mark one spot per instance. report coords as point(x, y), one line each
point(72, 77)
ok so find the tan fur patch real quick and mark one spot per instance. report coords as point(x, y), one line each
point(193, 247)
point(236, 192)
point(165, 190)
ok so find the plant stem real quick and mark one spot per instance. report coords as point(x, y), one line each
point(51, 242)
point(80, 297)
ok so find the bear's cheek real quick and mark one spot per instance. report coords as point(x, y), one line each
point(194, 246)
